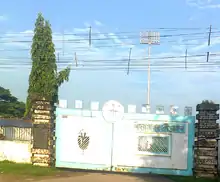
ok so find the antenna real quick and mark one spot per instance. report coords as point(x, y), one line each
point(129, 60)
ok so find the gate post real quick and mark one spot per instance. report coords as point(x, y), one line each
point(206, 142)
point(43, 133)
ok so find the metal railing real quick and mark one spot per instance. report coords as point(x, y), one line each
point(16, 133)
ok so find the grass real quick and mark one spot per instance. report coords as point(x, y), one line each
point(7, 167)
point(28, 170)
point(191, 179)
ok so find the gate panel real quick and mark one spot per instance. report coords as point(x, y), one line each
point(153, 145)
point(83, 142)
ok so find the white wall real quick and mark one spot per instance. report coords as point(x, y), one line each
point(16, 151)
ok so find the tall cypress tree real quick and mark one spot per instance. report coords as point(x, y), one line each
point(44, 80)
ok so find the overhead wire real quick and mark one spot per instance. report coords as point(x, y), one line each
point(114, 62)
point(84, 48)
point(109, 36)
point(77, 40)
point(64, 59)
point(193, 35)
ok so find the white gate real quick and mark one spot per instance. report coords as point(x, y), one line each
point(112, 140)
point(83, 142)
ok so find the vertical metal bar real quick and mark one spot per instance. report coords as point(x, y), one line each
point(149, 75)
point(112, 145)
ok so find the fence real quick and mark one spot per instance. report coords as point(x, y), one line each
point(16, 133)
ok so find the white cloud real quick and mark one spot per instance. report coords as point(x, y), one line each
point(98, 23)
point(203, 4)
point(86, 24)
point(3, 18)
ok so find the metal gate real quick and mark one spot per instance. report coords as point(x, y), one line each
point(139, 143)
point(83, 143)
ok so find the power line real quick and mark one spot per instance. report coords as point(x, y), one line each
point(184, 41)
point(110, 37)
point(31, 33)
point(167, 38)
point(124, 69)
point(64, 59)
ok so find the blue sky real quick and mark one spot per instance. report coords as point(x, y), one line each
point(108, 19)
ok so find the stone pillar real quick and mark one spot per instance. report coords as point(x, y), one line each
point(206, 141)
point(43, 133)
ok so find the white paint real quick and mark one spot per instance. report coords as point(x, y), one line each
point(63, 103)
point(143, 109)
point(78, 104)
point(94, 106)
point(15, 151)
point(132, 108)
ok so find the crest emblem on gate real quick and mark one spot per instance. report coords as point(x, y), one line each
point(83, 140)
point(112, 111)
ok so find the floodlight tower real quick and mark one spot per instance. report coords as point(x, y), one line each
point(150, 38)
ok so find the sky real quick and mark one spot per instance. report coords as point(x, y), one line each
point(116, 27)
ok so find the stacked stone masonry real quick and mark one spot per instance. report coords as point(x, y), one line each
point(43, 134)
point(206, 141)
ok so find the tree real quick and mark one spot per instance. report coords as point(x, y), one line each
point(10, 107)
point(44, 80)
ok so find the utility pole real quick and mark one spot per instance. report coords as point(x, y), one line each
point(90, 36)
point(76, 60)
point(209, 42)
point(186, 54)
point(129, 60)
point(150, 38)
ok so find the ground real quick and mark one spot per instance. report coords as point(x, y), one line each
point(85, 177)
point(14, 172)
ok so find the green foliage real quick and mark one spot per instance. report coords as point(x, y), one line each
point(10, 107)
point(44, 80)
point(8, 167)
